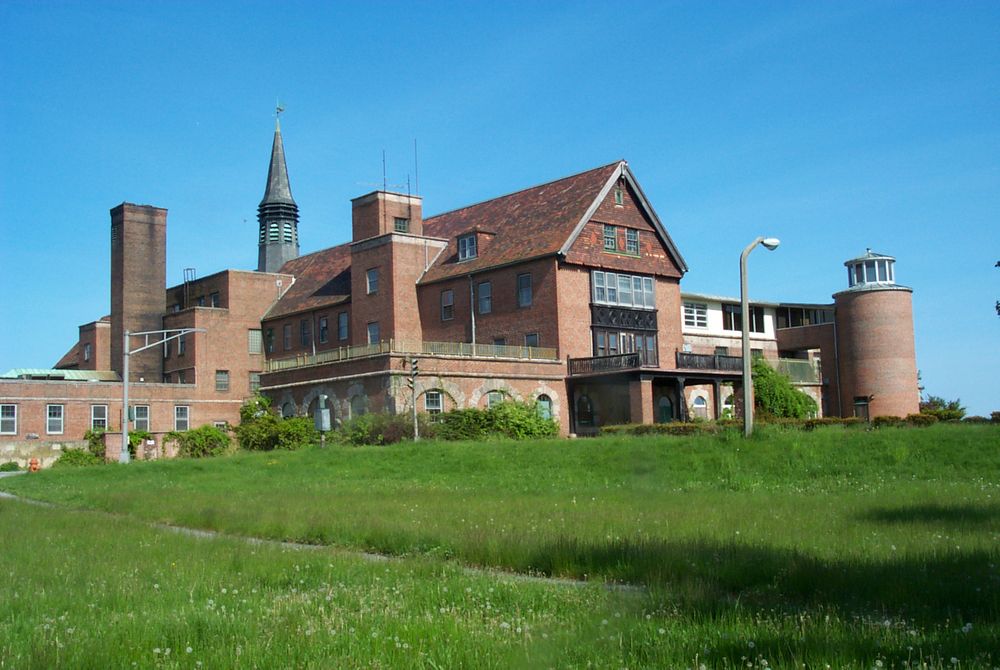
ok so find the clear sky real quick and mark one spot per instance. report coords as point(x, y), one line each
point(835, 126)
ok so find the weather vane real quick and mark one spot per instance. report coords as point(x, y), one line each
point(278, 109)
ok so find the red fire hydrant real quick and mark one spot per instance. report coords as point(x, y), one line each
point(33, 465)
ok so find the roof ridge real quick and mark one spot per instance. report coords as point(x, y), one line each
point(522, 190)
point(313, 253)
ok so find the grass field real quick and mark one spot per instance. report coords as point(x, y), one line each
point(842, 547)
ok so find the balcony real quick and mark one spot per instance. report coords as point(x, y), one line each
point(462, 349)
point(689, 361)
point(614, 363)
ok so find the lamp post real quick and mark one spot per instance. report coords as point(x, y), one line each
point(769, 243)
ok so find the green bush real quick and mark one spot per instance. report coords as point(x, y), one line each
point(846, 421)
point(995, 417)
point(673, 428)
point(975, 419)
point(463, 424)
point(261, 429)
point(519, 421)
point(9, 466)
point(921, 419)
point(886, 421)
point(95, 441)
point(385, 429)
point(774, 395)
point(78, 457)
point(943, 410)
point(200, 442)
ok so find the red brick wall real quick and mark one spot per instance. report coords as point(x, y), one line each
point(877, 352)
point(374, 214)
point(98, 335)
point(138, 262)
point(818, 337)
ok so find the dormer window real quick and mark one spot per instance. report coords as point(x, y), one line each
point(467, 247)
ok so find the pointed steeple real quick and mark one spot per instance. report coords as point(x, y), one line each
point(277, 214)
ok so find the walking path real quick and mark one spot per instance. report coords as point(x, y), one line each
point(363, 555)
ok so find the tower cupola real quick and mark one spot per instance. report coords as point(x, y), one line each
point(277, 214)
point(871, 271)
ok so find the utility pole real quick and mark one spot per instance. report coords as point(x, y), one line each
point(123, 457)
point(412, 383)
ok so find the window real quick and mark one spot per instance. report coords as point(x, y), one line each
point(531, 340)
point(287, 410)
point(254, 382)
point(610, 288)
point(664, 410)
point(401, 224)
point(87, 349)
point(373, 333)
point(221, 425)
point(371, 281)
point(696, 314)
point(543, 404)
point(342, 326)
point(467, 247)
point(213, 299)
point(610, 237)
point(181, 345)
point(141, 414)
point(8, 419)
point(700, 407)
point(432, 402)
point(54, 419)
point(619, 196)
point(201, 301)
point(182, 376)
point(222, 380)
point(182, 417)
point(524, 290)
point(98, 417)
point(500, 341)
point(722, 351)
point(269, 340)
point(254, 343)
point(584, 411)
point(305, 334)
point(600, 343)
point(359, 405)
point(484, 297)
point(286, 336)
point(632, 241)
point(324, 330)
point(447, 305)
point(732, 318)
point(494, 398)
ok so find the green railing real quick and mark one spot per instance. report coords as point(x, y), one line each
point(464, 349)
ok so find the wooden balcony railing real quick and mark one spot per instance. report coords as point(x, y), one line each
point(399, 347)
point(595, 364)
point(689, 361)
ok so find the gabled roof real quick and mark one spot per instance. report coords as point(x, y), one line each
point(322, 278)
point(70, 359)
point(535, 222)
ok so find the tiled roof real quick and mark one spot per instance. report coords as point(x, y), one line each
point(70, 359)
point(322, 278)
point(528, 224)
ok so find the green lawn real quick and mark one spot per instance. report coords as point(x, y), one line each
point(837, 546)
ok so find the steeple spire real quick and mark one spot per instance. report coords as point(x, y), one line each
point(277, 214)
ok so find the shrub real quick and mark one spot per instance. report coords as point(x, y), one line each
point(943, 410)
point(463, 424)
point(673, 428)
point(384, 429)
point(975, 419)
point(200, 442)
point(774, 395)
point(519, 421)
point(261, 429)
point(995, 417)
point(9, 466)
point(95, 441)
point(78, 457)
point(886, 421)
point(921, 419)
point(295, 433)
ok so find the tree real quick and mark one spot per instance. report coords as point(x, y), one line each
point(944, 410)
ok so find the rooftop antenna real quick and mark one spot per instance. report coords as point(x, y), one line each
point(384, 185)
point(278, 109)
point(416, 169)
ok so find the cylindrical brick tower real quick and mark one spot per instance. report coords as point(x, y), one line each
point(876, 356)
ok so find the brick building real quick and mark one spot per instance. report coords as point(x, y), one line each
point(565, 294)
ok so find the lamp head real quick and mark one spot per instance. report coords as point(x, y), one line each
point(770, 243)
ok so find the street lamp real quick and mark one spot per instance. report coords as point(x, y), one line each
point(769, 243)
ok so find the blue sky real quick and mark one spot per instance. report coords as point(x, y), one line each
point(834, 126)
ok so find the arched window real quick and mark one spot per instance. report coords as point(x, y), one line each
point(494, 398)
point(584, 411)
point(700, 406)
point(544, 405)
point(359, 405)
point(665, 410)
point(287, 410)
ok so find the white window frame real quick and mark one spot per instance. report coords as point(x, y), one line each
point(433, 402)
point(376, 332)
point(467, 247)
point(255, 341)
point(182, 416)
point(140, 423)
point(623, 290)
point(11, 419)
point(610, 237)
point(632, 241)
point(400, 224)
point(371, 281)
point(49, 418)
point(87, 351)
point(94, 419)
point(222, 381)
point(323, 336)
point(696, 314)
point(494, 398)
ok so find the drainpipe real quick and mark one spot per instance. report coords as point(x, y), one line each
point(472, 313)
point(836, 354)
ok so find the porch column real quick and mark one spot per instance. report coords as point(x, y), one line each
point(716, 390)
point(682, 405)
point(640, 393)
